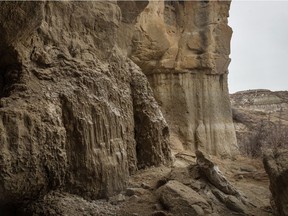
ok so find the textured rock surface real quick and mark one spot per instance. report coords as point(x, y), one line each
point(61, 204)
point(214, 175)
point(249, 107)
point(186, 187)
point(70, 103)
point(260, 110)
point(183, 48)
point(182, 200)
point(223, 189)
point(261, 100)
point(78, 114)
point(276, 165)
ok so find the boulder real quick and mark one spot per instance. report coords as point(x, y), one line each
point(182, 200)
point(276, 165)
point(214, 175)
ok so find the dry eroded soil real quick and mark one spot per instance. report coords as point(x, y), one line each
point(246, 174)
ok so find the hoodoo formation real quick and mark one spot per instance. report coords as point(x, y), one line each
point(92, 91)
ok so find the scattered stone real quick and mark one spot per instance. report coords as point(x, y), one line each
point(130, 192)
point(248, 168)
point(235, 204)
point(219, 195)
point(134, 198)
point(145, 186)
point(195, 185)
point(240, 177)
point(181, 174)
point(231, 202)
point(135, 191)
point(181, 199)
point(162, 182)
point(117, 199)
point(214, 175)
point(198, 210)
point(194, 171)
point(158, 206)
point(63, 204)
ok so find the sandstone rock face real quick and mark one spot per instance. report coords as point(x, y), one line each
point(214, 175)
point(182, 200)
point(61, 204)
point(201, 189)
point(276, 165)
point(77, 113)
point(72, 103)
point(261, 100)
point(263, 114)
point(183, 47)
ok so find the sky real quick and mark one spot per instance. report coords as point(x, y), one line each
point(259, 46)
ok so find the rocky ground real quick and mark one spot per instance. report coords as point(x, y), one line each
point(245, 174)
point(89, 92)
point(191, 186)
point(237, 186)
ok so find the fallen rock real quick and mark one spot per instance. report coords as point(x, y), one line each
point(130, 192)
point(235, 204)
point(158, 207)
point(182, 200)
point(181, 174)
point(248, 168)
point(186, 175)
point(276, 165)
point(224, 191)
point(134, 198)
point(145, 186)
point(117, 199)
point(214, 175)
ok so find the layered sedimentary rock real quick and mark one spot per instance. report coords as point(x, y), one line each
point(260, 116)
point(183, 48)
point(72, 103)
point(77, 112)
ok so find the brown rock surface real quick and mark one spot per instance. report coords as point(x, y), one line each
point(182, 200)
point(70, 103)
point(180, 185)
point(276, 165)
point(214, 175)
point(260, 118)
point(78, 115)
point(183, 47)
point(252, 106)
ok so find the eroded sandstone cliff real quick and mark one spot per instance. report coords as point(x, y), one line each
point(71, 102)
point(183, 48)
point(77, 112)
point(260, 118)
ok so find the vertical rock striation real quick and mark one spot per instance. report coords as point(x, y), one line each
point(183, 48)
point(77, 112)
point(70, 103)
